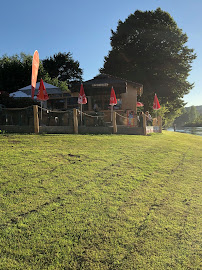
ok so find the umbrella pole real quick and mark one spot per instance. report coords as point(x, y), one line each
point(81, 114)
point(156, 117)
point(111, 112)
point(41, 109)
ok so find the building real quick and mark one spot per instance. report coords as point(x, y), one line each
point(98, 92)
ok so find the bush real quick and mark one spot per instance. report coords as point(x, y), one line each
point(10, 102)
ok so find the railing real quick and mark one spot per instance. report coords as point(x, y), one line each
point(55, 118)
point(75, 121)
point(17, 116)
point(93, 119)
point(129, 120)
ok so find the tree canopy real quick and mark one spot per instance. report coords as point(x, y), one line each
point(149, 48)
point(63, 67)
point(15, 71)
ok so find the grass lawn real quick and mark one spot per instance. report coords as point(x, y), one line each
point(100, 201)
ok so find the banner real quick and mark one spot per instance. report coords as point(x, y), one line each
point(35, 68)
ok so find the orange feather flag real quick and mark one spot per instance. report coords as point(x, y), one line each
point(35, 68)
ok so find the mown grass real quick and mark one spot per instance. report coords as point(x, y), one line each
point(100, 202)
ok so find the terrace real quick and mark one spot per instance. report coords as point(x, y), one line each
point(122, 120)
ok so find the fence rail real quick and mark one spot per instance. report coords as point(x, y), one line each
point(16, 116)
point(36, 119)
point(55, 118)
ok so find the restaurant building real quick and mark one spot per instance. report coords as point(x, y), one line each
point(98, 91)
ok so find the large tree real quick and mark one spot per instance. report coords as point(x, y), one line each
point(15, 72)
point(63, 67)
point(149, 48)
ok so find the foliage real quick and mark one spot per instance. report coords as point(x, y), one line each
point(199, 109)
point(63, 67)
point(183, 118)
point(196, 123)
point(189, 117)
point(10, 102)
point(62, 85)
point(167, 116)
point(192, 114)
point(15, 72)
point(100, 202)
point(149, 48)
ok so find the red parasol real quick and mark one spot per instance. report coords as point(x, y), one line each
point(140, 104)
point(82, 98)
point(42, 94)
point(156, 105)
point(35, 68)
point(113, 100)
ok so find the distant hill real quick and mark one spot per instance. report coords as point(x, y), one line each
point(185, 117)
point(198, 108)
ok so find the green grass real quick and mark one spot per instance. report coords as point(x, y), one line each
point(100, 202)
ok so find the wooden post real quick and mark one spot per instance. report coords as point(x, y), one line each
point(76, 129)
point(114, 123)
point(160, 123)
point(154, 122)
point(144, 124)
point(65, 105)
point(36, 119)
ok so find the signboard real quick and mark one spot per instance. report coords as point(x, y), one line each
point(100, 85)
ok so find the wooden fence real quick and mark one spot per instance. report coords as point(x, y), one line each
point(74, 125)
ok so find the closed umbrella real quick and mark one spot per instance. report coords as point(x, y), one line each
point(113, 100)
point(42, 94)
point(82, 98)
point(156, 105)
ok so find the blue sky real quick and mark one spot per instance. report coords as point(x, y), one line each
point(83, 27)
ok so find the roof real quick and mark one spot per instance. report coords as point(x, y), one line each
point(51, 89)
point(106, 78)
point(103, 83)
point(19, 94)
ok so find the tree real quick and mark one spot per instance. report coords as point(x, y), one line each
point(149, 48)
point(15, 72)
point(193, 114)
point(63, 67)
point(62, 85)
point(10, 102)
point(182, 118)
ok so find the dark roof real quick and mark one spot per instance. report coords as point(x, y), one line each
point(106, 78)
point(103, 82)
